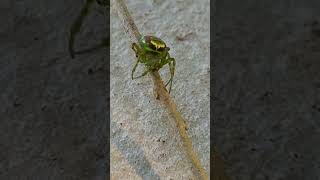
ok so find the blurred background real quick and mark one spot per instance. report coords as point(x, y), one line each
point(266, 57)
point(53, 113)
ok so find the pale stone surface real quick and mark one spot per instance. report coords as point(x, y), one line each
point(127, 172)
point(141, 128)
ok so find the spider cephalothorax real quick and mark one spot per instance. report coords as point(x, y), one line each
point(154, 54)
point(151, 43)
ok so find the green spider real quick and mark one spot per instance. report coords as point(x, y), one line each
point(154, 54)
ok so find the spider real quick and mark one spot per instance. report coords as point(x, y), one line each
point(154, 54)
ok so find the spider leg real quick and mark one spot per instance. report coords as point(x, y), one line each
point(143, 74)
point(75, 28)
point(139, 55)
point(136, 48)
point(134, 69)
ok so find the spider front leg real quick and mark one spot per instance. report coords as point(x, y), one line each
point(172, 66)
point(143, 74)
point(139, 55)
point(134, 69)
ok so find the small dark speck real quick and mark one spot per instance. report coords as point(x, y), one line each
point(163, 141)
point(158, 140)
point(90, 71)
point(120, 124)
point(185, 37)
point(253, 149)
point(179, 38)
point(44, 107)
point(15, 104)
point(242, 138)
point(295, 155)
point(186, 128)
point(35, 38)
point(314, 23)
point(315, 107)
point(71, 107)
point(266, 95)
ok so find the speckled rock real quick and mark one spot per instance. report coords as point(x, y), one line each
point(143, 134)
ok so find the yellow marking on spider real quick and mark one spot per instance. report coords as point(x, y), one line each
point(158, 44)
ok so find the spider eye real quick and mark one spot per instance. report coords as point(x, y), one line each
point(152, 46)
point(161, 49)
point(157, 43)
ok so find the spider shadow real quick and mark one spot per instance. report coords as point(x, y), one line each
point(133, 153)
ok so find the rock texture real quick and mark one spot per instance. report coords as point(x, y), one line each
point(53, 118)
point(267, 88)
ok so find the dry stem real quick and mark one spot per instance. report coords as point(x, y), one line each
point(161, 91)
